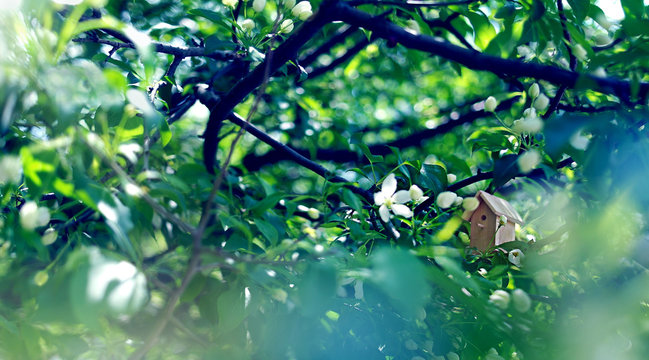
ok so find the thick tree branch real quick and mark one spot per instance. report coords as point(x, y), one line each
point(479, 61)
point(209, 100)
point(253, 162)
point(285, 52)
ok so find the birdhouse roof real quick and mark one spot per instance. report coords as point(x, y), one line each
point(498, 206)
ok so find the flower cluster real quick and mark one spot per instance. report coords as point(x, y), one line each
point(389, 199)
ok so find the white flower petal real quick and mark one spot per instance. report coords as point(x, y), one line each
point(389, 186)
point(415, 192)
point(385, 213)
point(401, 197)
point(445, 199)
point(402, 210)
point(379, 199)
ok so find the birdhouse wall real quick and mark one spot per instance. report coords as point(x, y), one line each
point(483, 227)
point(506, 233)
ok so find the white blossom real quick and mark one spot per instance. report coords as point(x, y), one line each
point(390, 199)
point(230, 3)
point(502, 220)
point(11, 170)
point(458, 201)
point(470, 204)
point(33, 216)
point(515, 257)
point(247, 24)
point(534, 90)
point(415, 193)
point(525, 52)
point(529, 161)
point(313, 213)
point(452, 356)
point(258, 5)
point(302, 10)
point(286, 26)
point(450, 178)
point(490, 104)
point(500, 298)
point(541, 103)
point(446, 199)
point(49, 236)
point(530, 125)
point(413, 27)
point(521, 300)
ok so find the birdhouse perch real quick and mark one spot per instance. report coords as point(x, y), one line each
point(485, 231)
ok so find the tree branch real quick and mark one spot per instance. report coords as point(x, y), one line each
point(480, 61)
point(182, 51)
point(411, 3)
point(253, 162)
point(339, 37)
point(209, 99)
point(351, 52)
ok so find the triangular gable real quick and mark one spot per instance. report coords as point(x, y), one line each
point(500, 207)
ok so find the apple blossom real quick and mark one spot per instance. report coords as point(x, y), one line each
point(33, 216)
point(302, 10)
point(515, 257)
point(529, 160)
point(390, 199)
point(521, 300)
point(415, 193)
point(500, 298)
point(11, 170)
point(230, 3)
point(451, 178)
point(541, 103)
point(289, 3)
point(286, 26)
point(470, 204)
point(247, 24)
point(258, 5)
point(534, 90)
point(446, 199)
point(579, 52)
point(490, 104)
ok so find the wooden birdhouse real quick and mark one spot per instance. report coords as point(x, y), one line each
point(485, 230)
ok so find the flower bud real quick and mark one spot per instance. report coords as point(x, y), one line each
point(541, 103)
point(41, 278)
point(247, 24)
point(458, 201)
point(415, 192)
point(490, 104)
point(515, 257)
point(302, 10)
point(450, 178)
point(258, 5)
point(502, 220)
point(313, 213)
point(230, 3)
point(49, 237)
point(286, 26)
point(543, 277)
point(500, 298)
point(470, 204)
point(521, 300)
point(446, 199)
point(32, 216)
point(529, 160)
point(413, 27)
point(11, 169)
point(534, 90)
point(289, 3)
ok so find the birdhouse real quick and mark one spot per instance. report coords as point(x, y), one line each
point(485, 229)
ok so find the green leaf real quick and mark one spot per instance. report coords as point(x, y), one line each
point(580, 8)
point(266, 203)
point(317, 288)
point(434, 178)
point(353, 201)
point(505, 168)
point(483, 30)
point(230, 309)
point(268, 230)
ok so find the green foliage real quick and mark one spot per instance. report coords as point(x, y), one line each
point(333, 227)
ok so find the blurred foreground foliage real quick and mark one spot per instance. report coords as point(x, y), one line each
point(114, 245)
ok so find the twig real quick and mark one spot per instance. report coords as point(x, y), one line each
point(410, 4)
point(183, 51)
point(351, 52)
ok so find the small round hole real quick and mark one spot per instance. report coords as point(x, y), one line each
point(484, 217)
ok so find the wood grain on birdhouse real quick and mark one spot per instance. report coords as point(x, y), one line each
point(485, 231)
